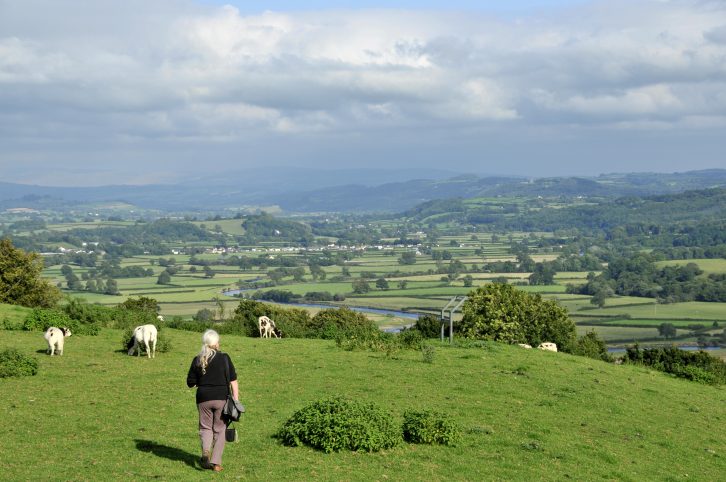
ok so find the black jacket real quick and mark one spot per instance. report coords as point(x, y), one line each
point(211, 385)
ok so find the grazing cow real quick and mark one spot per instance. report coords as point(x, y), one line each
point(143, 334)
point(547, 346)
point(524, 345)
point(160, 318)
point(56, 338)
point(267, 328)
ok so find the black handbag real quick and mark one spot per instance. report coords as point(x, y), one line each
point(233, 409)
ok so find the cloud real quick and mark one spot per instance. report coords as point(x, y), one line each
point(119, 73)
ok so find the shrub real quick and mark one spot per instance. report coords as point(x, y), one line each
point(363, 338)
point(329, 323)
point(429, 427)
point(410, 339)
point(292, 322)
point(40, 319)
point(697, 366)
point(15, 364)
point(429, 326)
point(336, 424)
point(428, 353)
point(592, 346)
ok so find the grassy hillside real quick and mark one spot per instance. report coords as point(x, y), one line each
point(12, 315)
point(97, 414)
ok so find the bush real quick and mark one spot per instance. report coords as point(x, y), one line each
point(15, 364)
point(697, 366)
point(410, 339)
point(592, 346)
point(328, 324)
point(292, 322)
point(428, 353)
point(362, 338)
point(429, 427)
point(40, 319)
point(429, 326)
point(336, 424)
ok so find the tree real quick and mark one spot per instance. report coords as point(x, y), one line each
point(667, 330)
point(503, 313)
point(111, 287)
point(598, 299)
point(361, 286)
point(402, 284)
point(407, 258)
point(20, 280)
point(164, 278)
point(382, 284)
point(142, 303)
point(543, 274)
point(204, 315)
point(468, 281)
point(220, 307)
point(208, 272)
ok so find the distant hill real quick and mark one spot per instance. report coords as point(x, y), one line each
point(310, 190)
point(699, 206)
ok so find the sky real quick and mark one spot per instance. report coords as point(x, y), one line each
point(96, 92)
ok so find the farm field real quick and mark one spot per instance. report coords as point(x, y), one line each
point(708, 266)
point(525, 414)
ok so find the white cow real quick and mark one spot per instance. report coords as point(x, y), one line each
point(547, 346)
point(160, 318)
point(56, 338)
point(143, 334)
point(267, 327)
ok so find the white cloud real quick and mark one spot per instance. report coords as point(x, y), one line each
point(174, 70)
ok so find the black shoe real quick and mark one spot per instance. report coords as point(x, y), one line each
point(204, 461)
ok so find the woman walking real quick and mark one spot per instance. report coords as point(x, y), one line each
point(210, 372)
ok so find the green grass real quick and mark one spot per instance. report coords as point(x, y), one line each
point(692, 310)
point(13, 314)
point(97, 414)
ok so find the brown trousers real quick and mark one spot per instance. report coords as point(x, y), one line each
point(211, 429)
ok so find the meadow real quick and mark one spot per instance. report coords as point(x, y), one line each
point(98, 414)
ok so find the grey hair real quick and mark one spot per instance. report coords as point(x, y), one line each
point(210, 345)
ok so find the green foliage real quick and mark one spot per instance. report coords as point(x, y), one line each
point(142, 303)
point(363, 338)
point(429, 326)
point(592, 346)
point(411, 339)
point(430, 427)
point(20, 280)
point(292, 322)
point(428, 353)
point(40, 319)
point(697, 366)
point(361, 286)
point(503, 313)
point(667, 330)
point(336, 423)
point(331, 322)
point(15, 364)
